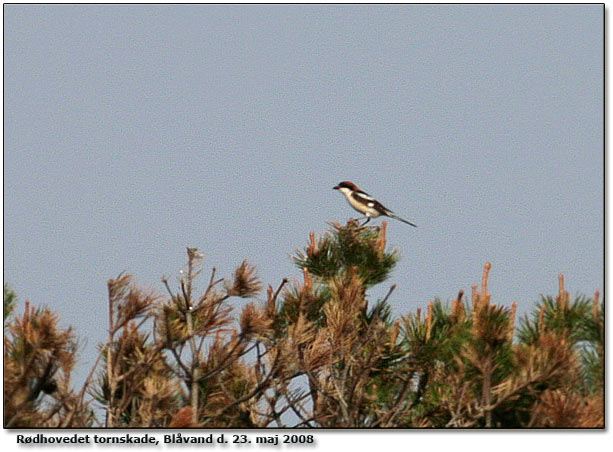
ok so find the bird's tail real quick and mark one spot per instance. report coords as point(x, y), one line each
point(402, 219)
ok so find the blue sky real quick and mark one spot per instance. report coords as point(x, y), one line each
point(132, 132)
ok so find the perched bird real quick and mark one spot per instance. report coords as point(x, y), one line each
point(366, 204)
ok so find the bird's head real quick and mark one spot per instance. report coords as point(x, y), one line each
point(346, 186)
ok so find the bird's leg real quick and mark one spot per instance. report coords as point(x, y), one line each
point(367, 220)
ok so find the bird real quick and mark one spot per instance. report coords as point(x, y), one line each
point(366, 204)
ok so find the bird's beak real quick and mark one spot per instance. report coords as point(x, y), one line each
point(335, 187)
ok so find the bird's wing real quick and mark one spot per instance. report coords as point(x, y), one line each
point(371, 202)
point(381, 208)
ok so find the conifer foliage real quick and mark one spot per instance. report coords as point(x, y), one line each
point(314, 353)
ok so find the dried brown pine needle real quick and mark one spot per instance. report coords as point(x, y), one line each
point(381, 242)
point(245, 284)
point(183, 418)
point(596, 305)
point(255, 321)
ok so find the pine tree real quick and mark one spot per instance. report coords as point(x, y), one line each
point(316, 353)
